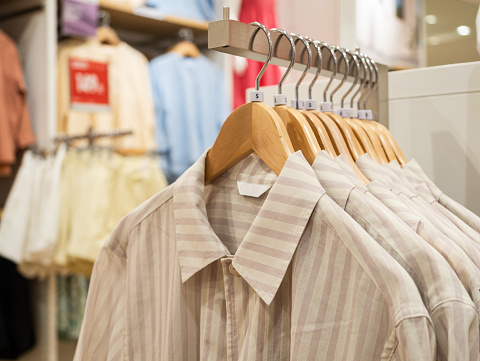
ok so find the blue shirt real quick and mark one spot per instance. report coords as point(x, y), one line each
point(193, 9)
point(191, 105)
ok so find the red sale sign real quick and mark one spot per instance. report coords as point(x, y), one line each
point(88, 85)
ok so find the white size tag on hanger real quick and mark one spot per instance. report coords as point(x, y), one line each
point(353, 112)
point(280, 99)
point(369, 114)
point(252, 190)
point(361, 114)
point(311, 104)
point(343, 112)
point(326, 107)
point(256, 96)
point(297, 104)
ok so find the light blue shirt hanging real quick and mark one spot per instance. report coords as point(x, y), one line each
point(191, 104)
point(193, 9)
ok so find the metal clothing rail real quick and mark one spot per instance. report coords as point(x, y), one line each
point(91, 136)
point(237, 38)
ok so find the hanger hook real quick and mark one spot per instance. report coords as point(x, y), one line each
point(347, 70)
point(270, 51)
point(363, 79)
point(334, 70)
point(357, 75)
point(309, 54)
point(372, 83)
point(292, 54)
point(316, 44)
point(366, 84)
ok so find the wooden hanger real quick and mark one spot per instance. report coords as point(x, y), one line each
point(253, 127)
point(301, 134)
point(106, 35)
point(185, 48)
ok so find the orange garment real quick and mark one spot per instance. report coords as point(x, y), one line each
point(15, 128)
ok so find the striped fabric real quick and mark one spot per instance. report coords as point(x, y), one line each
point(374, 171)
point(200, 272)
point(443, 294)
point(416, 175)
point(424, 193)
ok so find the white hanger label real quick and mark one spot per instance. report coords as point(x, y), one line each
point(252, 190)
point(311, 104)
point(353, 112)
point(369, 114)
point(297, 104)
point(343, 112)
point(280, 99)
point(256, 96)
point(361, 114)
point(326, 107)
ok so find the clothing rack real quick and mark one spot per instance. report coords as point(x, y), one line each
point(92, 136)
point(237, 38)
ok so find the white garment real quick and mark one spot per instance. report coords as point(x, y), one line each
point(18, 209)
point(44, 223)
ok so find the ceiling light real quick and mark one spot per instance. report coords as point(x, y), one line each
point(463, 30)
point(430, 19)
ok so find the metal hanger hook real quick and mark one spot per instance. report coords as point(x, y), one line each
point(270, 51)
point(309, 61)
point(371, 85)
point(357, 75)
point(292, 54)
point(334, 70)
point(347, 70)
point(366, 85)
point(363, 79)
point(316, 44)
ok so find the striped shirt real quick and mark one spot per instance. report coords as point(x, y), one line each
point(441, 290)
point(417, 176)
point(374, 171)
point(201, 272)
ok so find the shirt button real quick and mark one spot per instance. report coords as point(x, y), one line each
point(233, 271)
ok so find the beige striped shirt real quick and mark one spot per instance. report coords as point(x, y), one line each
point(374, 171)
point(441, 290)
point(463, 266)
point(417, 177)
point(200, 272)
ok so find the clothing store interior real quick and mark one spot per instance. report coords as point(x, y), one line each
point(239, 180)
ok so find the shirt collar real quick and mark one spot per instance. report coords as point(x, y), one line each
point(416, 171)
point(266, 251)
point(332, 177)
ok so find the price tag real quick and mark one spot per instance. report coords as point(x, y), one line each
point(311, 104)
point(280, 99)
point(256, 96)
point(326, 107)
point(88, 85)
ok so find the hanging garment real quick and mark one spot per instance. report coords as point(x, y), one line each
point(462, 265)
point(130, 100)
point(265, 12)
point(202, 272)
point(417, 176)
point(440, 288)
point(191, 105)
point(15, 128)
point(374, 171)
point(191, 9)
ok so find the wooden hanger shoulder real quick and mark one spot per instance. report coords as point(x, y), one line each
point(390, 153)
point(393, 143)
point(320, 132)
point(253, 127)
point(375, 141)
point(350, 138)
point(363, 139)
point(299, 131)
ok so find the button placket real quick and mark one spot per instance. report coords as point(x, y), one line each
point(229, 275)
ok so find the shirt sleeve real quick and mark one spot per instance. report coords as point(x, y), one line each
point(415, 340)
point(101, 336)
